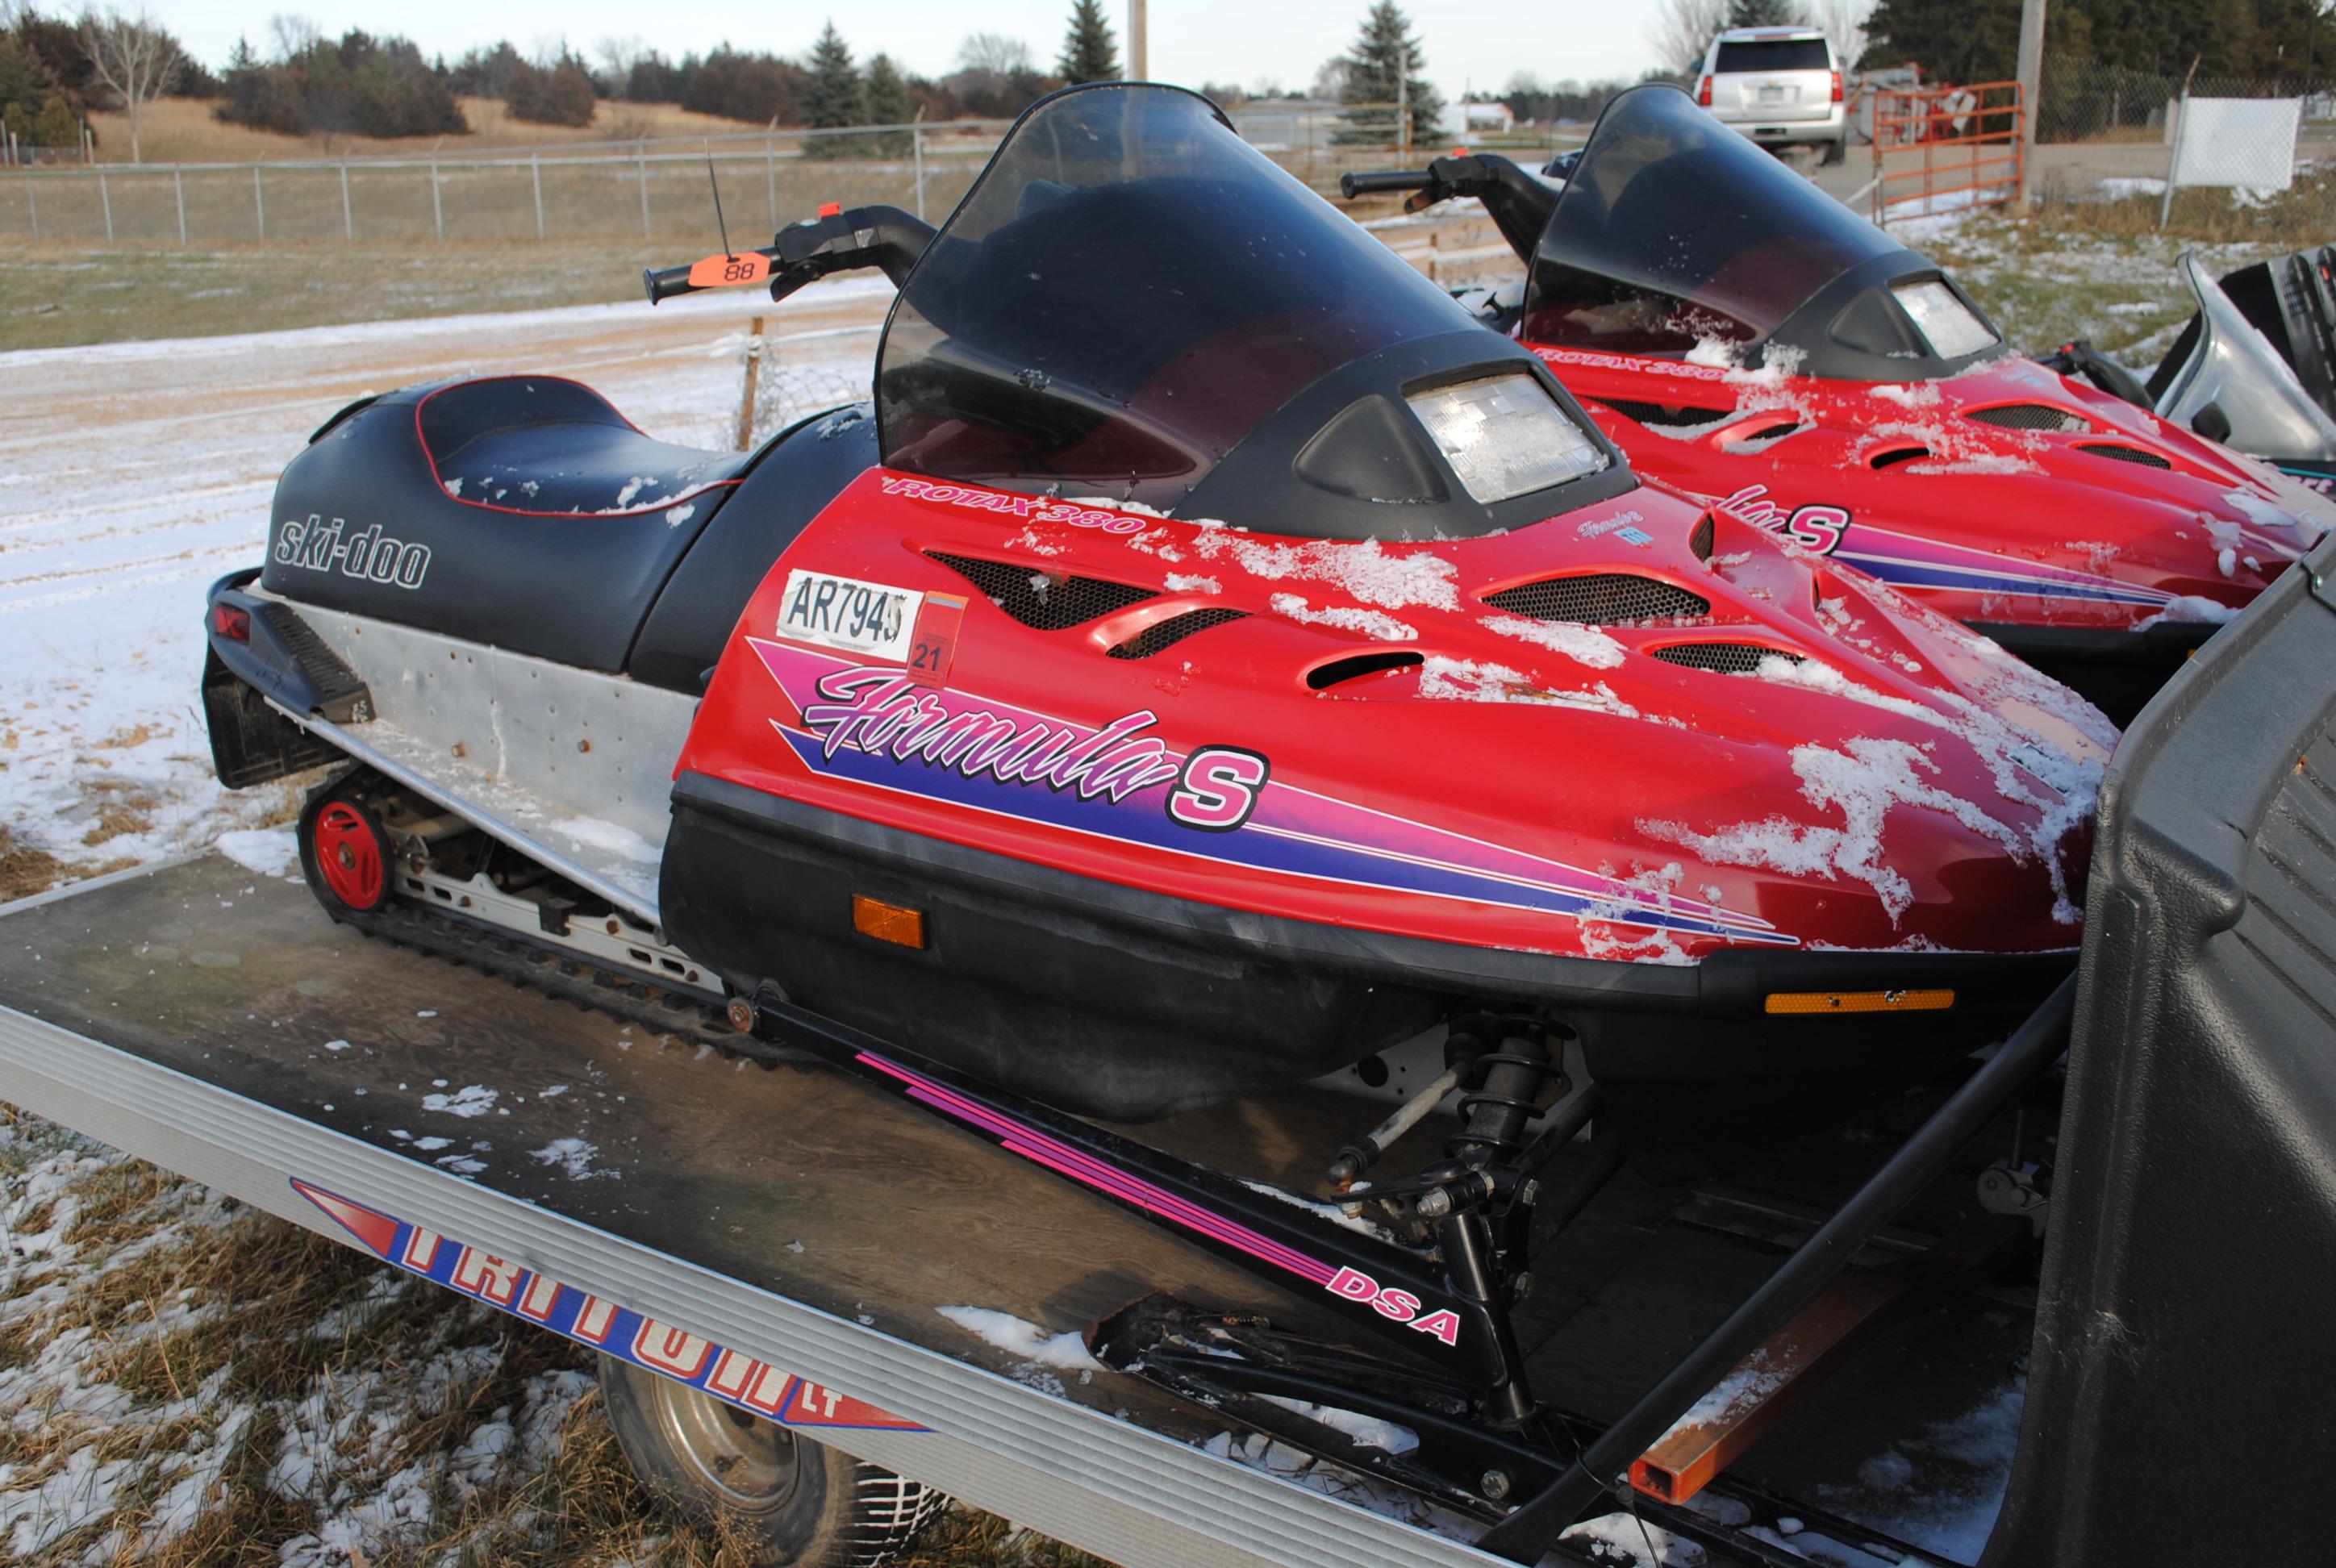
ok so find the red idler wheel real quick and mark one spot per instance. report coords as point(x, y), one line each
point(346, 855)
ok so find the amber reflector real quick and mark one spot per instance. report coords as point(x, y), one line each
point(888, 922)
point(1930, 1002)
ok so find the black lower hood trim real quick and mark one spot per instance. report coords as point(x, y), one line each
point(1733, 983)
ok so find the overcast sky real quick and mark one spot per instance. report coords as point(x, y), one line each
point(1468, 42)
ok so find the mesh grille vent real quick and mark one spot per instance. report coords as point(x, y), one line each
point(2029, 417)
point(2127, 454)
point(1725, 657)
point(1700, 539)
point(1162, 634)
point(1656, 414)
point(1016, 589)
point(1599, 598)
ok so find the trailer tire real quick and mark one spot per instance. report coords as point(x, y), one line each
point(798, 1503)
point(343, 853)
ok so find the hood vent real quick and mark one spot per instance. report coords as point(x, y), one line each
point(1599, 598)
point(1723, 658)
point(1663, 414)
point(1162, 634)
point(1038, 598)
point(1700, 541)
point(2029, 417)
point(2127, 454)
point(1354, 667)
point(1897, 455)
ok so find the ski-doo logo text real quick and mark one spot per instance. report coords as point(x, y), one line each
point(366, 555)
point(884, 713)
point(1401, 1306)
point(1818, 528)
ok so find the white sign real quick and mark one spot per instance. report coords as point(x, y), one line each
point(2239, 141)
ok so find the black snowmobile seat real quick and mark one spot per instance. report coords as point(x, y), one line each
point(543, 446)
point(523, 512)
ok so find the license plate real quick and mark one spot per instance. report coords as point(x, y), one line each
point(1772, 95)
point(844, 612)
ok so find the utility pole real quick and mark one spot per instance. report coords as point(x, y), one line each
point(2032, 81)
point(1139, 68)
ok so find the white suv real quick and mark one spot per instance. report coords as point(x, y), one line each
point(1780, 86)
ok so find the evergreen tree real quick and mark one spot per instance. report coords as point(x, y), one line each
point(1090, 53)
point(1383, 68)
point(1762, 13)
point(887, 103)
point(834, 96)
point(1954, 40)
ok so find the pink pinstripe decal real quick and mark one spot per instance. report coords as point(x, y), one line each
point(1088, 1171)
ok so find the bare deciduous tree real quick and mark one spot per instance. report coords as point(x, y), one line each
point(618, 58)
point(294, 34)
point(1843, 22)
point(1680, 30)
point(132, 58)
point(993, 54)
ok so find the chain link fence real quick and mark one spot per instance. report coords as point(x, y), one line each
point(2212, 157)
point(597, 192)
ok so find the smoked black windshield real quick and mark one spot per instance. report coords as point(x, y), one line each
point(1127, 292)
point(1673, 230)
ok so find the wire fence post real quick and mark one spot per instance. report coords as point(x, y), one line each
point(535, 170)
point(105, 199)
point(33, 201)
point(259, 207)
point(2174, 158)
point(643, 151)
point(770, 176)
point(917, 146)
point(348, 213)
point(178, 189)
point(437, 204)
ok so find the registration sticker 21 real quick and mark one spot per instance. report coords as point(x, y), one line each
point(868, 617)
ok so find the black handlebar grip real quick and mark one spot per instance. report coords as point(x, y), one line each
point(1353, 185)
point(664, 285)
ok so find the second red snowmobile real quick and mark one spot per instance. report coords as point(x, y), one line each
point(1744, 337)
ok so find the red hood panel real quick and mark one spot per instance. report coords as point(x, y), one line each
point(2116, 521)
point(1881, 779)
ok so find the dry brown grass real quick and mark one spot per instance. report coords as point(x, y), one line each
point(24, 870)
point(121, 807)
point(185, 131)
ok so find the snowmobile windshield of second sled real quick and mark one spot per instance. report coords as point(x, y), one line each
point(1133, 303)
point(1676, 237)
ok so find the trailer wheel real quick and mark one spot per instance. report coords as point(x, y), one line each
point(799, 1503)
point(343, 853)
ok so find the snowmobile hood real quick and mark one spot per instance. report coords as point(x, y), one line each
point(1673, 235)
point(2005, 494)
point(1132, 302)
point(1641, 730)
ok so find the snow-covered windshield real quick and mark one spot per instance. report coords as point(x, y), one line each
point(1126, 292)
point(1674, 231)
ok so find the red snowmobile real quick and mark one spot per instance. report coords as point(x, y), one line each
point(1212, 660)
point(1747, 338)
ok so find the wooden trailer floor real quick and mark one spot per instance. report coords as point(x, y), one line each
point(809, 1184)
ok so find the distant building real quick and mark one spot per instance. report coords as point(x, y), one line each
point(1462, 121)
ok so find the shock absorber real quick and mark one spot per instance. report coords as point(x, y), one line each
point(1509, 1085)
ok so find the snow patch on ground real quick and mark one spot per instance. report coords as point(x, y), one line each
point(270, 852)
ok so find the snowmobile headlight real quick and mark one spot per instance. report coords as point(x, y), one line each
point(1950, 325)
point(1504, 436)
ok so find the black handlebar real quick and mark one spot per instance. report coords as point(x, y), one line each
point(837, 240)
point(664, 284)
point(1353, 185)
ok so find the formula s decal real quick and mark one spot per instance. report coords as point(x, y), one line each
point(1218, 788)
